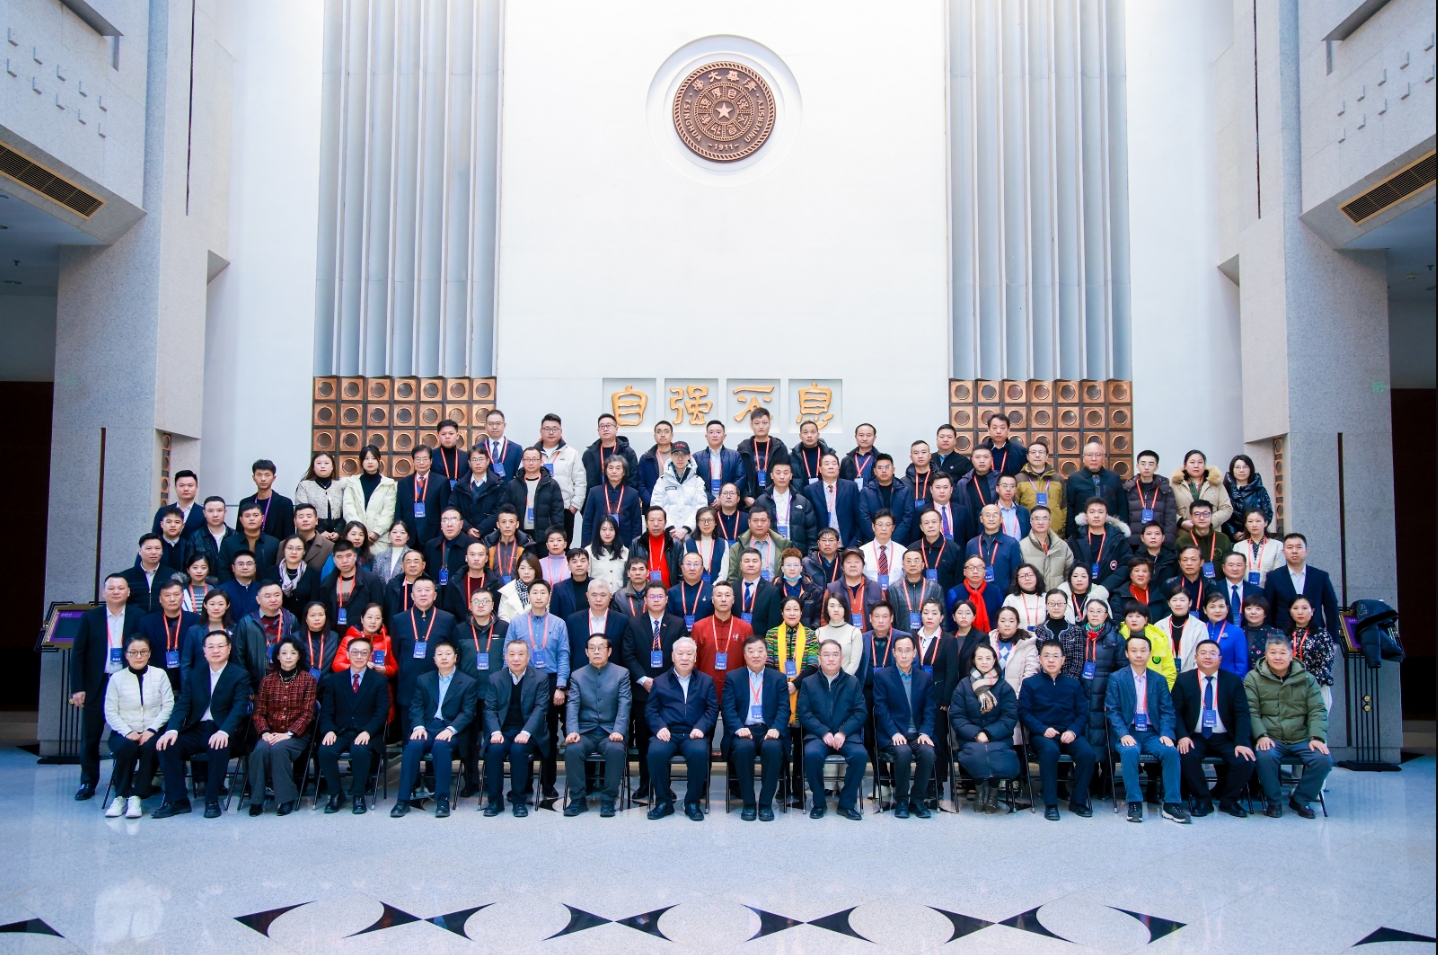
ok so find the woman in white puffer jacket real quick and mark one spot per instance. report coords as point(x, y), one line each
point(680, 490)
point(138, 701)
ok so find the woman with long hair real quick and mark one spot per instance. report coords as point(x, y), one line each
point(984, 713)
point(284, 713)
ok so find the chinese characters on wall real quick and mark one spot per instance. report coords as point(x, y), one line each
point(688, 403)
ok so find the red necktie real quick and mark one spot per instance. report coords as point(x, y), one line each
point(354, 683)
point(883, 561)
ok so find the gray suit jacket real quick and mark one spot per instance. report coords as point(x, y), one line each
point(533, 703)
point(598, 699)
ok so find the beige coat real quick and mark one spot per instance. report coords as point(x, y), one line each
point(1054, 563)
point(1212, 491)
point(379, 515)
point(1023, 663)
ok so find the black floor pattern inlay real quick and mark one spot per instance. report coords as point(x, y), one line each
point(30, 927)
point(1392, 935)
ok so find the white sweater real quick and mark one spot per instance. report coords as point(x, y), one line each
point(124, 710)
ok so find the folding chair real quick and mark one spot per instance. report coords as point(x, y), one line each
point(300, 767)
point(536, 762)
point(625, 800)
point(1116, 776)
point(782, 793)
point(1009, 787)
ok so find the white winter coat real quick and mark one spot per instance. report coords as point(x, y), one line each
point(379, 515)
point(681, 496)
point(124, 711)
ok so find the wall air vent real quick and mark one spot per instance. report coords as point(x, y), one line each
point(29, 173)
point(1396, 187)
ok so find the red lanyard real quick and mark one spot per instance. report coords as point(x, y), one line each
point(488, 636)
point(315, 660)
point(989, 561)
point(633, 610)
point(341, 595)
point(833, 570)
point(728, 635)
point(756, 693)
point(698, 595)
point(1043, 611)
point(937, 560)
point(999, 464)
point(978, 486)
point(1078, 607)
point(811, 470)
point(934, 649)
point(861, 461)
point(724, 532)
point(553, 570)
point(746, 601)
point(451, 471)
point(544, 644)
point(171, 643)
point(414, 625)
point(469, 587)
point(764, 464)
point(1212, 543)
point(1146, 505)
point(498, 555)
point(1098, 557)
point(404, 594)
point(197, 603)
point(611, 508)
point(1299, 643)
point(856, 599)
point(888, 647)
point(1090, 649)
point(908, 604)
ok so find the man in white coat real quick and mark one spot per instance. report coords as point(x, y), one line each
point(563, 464)
point(680, 490)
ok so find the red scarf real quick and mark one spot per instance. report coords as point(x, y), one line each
point(981, 609)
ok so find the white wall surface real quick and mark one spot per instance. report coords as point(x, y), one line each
point(613, 262)
point(258, 344)
point(1187, 391)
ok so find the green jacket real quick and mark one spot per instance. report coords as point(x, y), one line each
point(781, 544)
point(1290, 710)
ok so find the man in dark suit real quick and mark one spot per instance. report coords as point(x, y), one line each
point(414, 635)
point(350, 589)
point(1286, 583)
point(836, 502)
point(516, 703)
point(444, 555)
point(1141, 721)
point(904, 713)
point(167, 628)
point(1235, 587)
point(597, 617)
point(445, 703)
point(855, 589)
point(354, 705)
point(420, 497)
point(98, 651)
point(756, 600)
point(208, 713)
point(1054, 708)
point(831, 711)
point(177, 548)
point(756, 723)
point(648, 652)
point(144, 578)
point(257, 632)
point(681, 712)
point(279, 511)
point(1211, 709)
point(570, 594)
point(192, 513)
point(252, 538)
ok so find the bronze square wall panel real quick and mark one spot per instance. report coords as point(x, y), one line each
point(989, 392)
point(431, 389)
point(351, 416)
point(402, 442)
point(351, 441)
point(349, 465)
point(457, 389)
point(325, 415)
point(352, 389)
point(961, 392)
point(379, 389)
point(430, 415)
point(327, 389)
point(400, 466)
point(324, 439)
point(377, 415)
point(1041, 392)
point(1066, 392)
point(406, 389)
point(1042, 416)
point(379, 439)
point(1016, 393)
point(404, 416)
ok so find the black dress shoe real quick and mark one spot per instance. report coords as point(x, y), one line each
point(171, 809)
point(1135, 812)
point(1305, 811)
point(660, 811)
point(748, 814)
point(851, 814)
point(642, 793)
point(766, 814)
point(1051, 813)
point(441, 807)
point(359, 806)
point(257, 809)
point(520, 810)
point(695, 812)
point(1273, 810)
point(401, 808)
point(550, 792)
point(336, 802)
point(493, 809)
point(1201, 809)
point(606, 809)
point(1079, 809)
point(901, 811)
point(577, 806)
point(212, 810)
point(86, 791)
point(285, 808)
point(920, 810)
point(817, 812)
point(1233, 808)
point(468, 790)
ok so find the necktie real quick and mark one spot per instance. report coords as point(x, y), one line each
point(354, 682)
point(944, 514)
point(833, 509)
point(1207, 704)
point(748, 594)
point(1235, 605)
point(883, 561)
point(493, 450)
point(656, 627)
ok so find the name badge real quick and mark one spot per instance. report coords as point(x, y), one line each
point(915, 621)
point(538, 658)
point(884, 581)
point(791, 669)
point(419, 510)
point(503, 579)
point(715, 485)
point(931, 574)
point(1148, 515)
point(1042, 498)
point(172, 659)
point(766, 574)
point(497, 466)
point(813, 480)
point(420, 646)
point(928, 669)
point(783, 530)
point(1208, 568)
point(989, 572)
point(549, 467)
point(443, 576)
point(859, 483)
point(529, 515)
point(707, 577)
point(379, 659)
point(747, 617)
point(721, 662)
point(857, 619)
point(1210, 719)
point(1094, 572)
point(656, 575)
point(689, 623)
point(116, 655)
point(1140, 721)
point(1090, 669)
point(763, 476)
point(1253, 577)
point(756, 713)
point(483, 660)
point(342, 616)
point(315, 673)
point(656, 659)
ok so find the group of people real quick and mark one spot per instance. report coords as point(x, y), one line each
point(785, 607)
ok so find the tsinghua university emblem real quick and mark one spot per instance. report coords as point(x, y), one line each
point(724, 111)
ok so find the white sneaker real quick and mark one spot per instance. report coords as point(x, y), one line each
point(116, 808)
point(134, 811)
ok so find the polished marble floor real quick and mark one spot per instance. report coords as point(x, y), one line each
point(71, 880)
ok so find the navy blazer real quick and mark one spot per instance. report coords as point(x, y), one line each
point(1002, 553)
point(343, 710)
point(846, 502)
point(1245, 590)
point(1122, 699)
point(836, 708)
point(193, 522)
point(731, 470)
point(451, 463)
point(403, 639)
point(1317, 587)
point(891, 704)
point(901, 504)
point(506, 463)
point(1060, 703)
point(436, 496)
point(479, 505)
point(577, 623)
point(667, 706)
point(1009, 458)
point(962, 522)
point(461, 701)
point(91, 650)
point(227, 704)
point(774, 700)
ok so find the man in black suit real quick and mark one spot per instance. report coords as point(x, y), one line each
point(569, 595)
point(350, 589)
point(831, 711)
point(1211, 708)
point(444, 555)
point(252, 538)
point(145, 577)
point(597, 617)
point(1235, 587)
point(415, 634)
point(836, 501)
point(279, 511)
point(756, 600)
point(420, 498)
point(681, 712)
point(904, 713)
point(167, 628)
point(756, 722)
point(354, 705)
point(516, 705)
point(98, 651)
point(647, 652)
point(208, 713)
point(1286, 583)
point(445, 703)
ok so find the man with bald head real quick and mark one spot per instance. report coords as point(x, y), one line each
point(682, 710)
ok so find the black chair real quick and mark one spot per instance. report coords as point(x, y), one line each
point(531, 798)
point(301, 766)
point(1008, 787)
point(595, 762)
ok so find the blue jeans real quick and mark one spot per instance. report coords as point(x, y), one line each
point(1148, 744)
point(1316, 767)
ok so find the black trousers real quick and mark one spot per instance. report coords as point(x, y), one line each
point(554, 718)
point(942, 756)
point(595, 741)
point(92, 730)
point(770, 752)
point(1231, 784)
point(1084, 758)
point(904, 758)
point(519, 755)
point(360, 758)
point(639, 731)
point(696, 762)
point(133, 763)
point(192, 742)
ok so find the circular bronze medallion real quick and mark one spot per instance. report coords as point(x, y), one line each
point(724, 111)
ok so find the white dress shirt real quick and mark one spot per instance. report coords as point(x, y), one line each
point(1218, 726)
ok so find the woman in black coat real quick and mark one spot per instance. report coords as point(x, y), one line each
point(983, 713)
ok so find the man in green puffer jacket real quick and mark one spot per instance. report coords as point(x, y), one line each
point(1289, 720)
